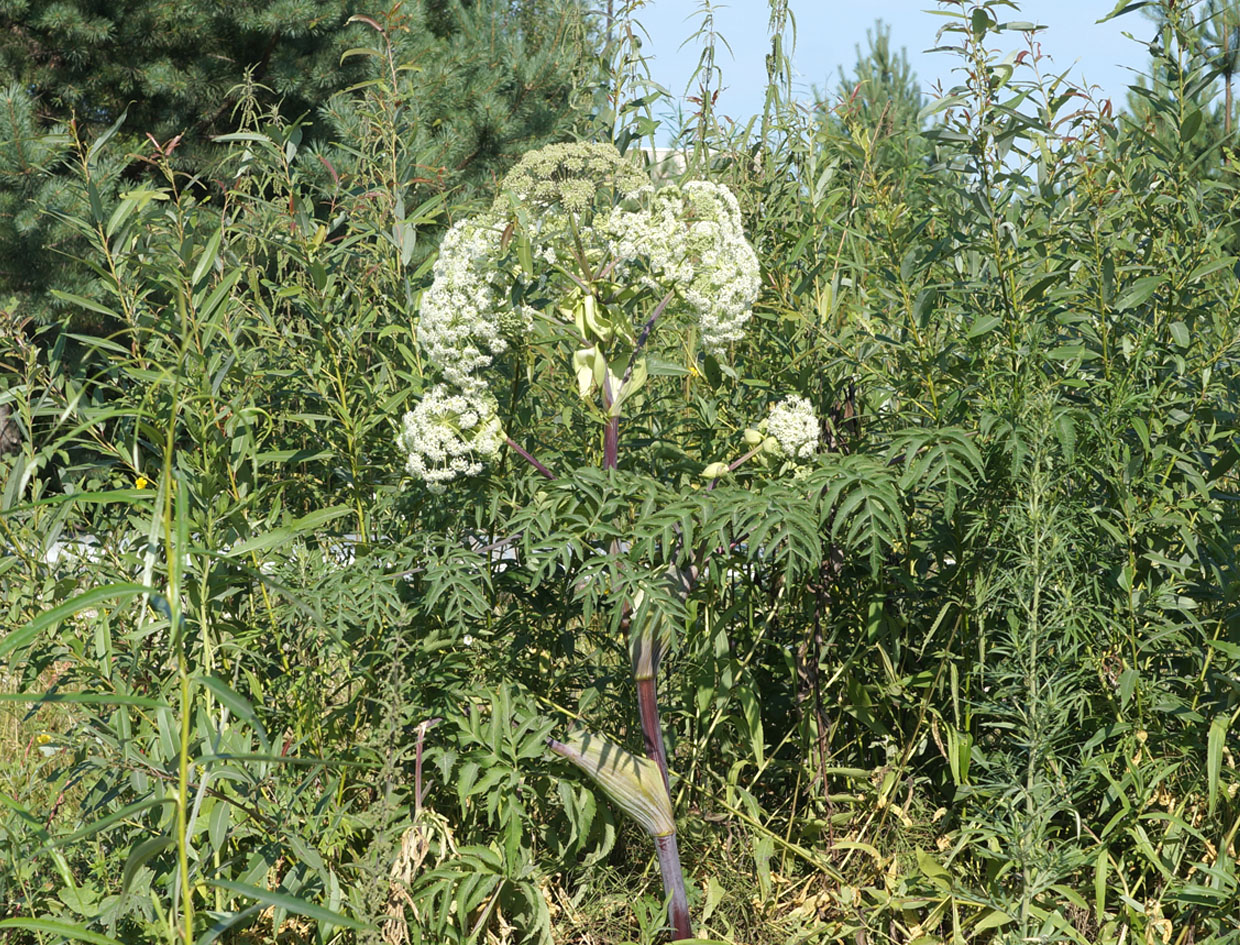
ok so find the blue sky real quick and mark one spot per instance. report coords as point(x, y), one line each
point(828, 30)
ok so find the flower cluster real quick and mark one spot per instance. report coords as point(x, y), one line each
point(688, 239)
point(467, 317)
point(565, 207)
point(450, 433)
point(795, 428)
point(460, 327)
point(572, 176)
point(691, 239)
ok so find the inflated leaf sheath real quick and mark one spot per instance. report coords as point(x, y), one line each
point(634, 784)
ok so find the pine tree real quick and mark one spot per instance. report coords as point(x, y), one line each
point(483, 80)
point(479, 84)
point(37, 249)
point(879, 104)
point(1193, 48)
point(174, 67)
point(882, 91)
point(1221, 23)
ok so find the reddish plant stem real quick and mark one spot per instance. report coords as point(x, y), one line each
point(611, 444)
point(419, 792)
point(513, 445)
point(733, 466)
point(647, 689)
point(611, 432)
point(674, 887)
point(652, 730)
point(643, 335)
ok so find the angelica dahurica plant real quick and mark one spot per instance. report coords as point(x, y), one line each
point(581, 252)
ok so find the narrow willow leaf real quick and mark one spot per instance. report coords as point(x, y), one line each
point(634, 784)
point(62, 929)
point(752, 713)
point(237, 704)
point(207, 260)
point(139, 856)
point(1140, 291)
point(1214, 756)
point(1124, 7)
point(222, 922)
point(125, 813)
point(992, 920)
point(281, 535)
point(83, 698)
point(290, 903)
point(1100, 885)
point(85, 303)
point(21, 637)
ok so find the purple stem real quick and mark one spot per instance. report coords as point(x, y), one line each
point(733, 466)
point(647, 665)
point(419, 792)
point(611, 432)
point(611, 444)
point(643, 335)
point(652, 731)
point(674, 886)
point(547, 473)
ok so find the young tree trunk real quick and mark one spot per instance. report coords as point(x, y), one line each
point(1228, 39)
point(10, 434)
point(1227, 107)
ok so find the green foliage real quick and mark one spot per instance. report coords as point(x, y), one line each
point(879, 107)
point(476, 85)
point(1191, 51)
point(1208, 32)
point(967, 674)
point(174, 69)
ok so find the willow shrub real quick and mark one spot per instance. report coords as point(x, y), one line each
point(970, 673)
point(1042, 680)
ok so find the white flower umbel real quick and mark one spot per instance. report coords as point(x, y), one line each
point(793, 425)
point(691, 239)
point(466, 318)
point(587, 199)
point(452, 432)
point(572, 177)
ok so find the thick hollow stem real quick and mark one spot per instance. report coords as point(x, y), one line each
point(645, 334)
point(611, 433)
point(669, 855)
point(611, 444)
point(419, 792)
point(652, 731)
point(674, 887)
point(516, 448)
point(736, 464)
